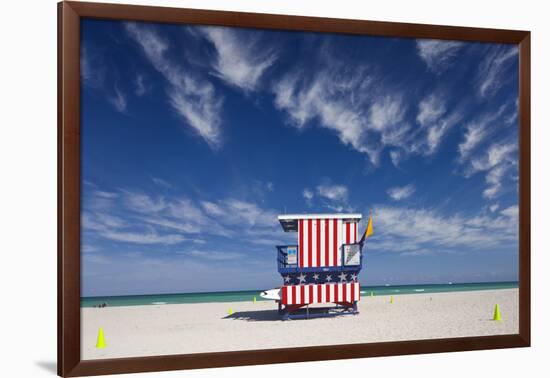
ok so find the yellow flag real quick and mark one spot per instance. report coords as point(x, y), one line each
point(368, 231)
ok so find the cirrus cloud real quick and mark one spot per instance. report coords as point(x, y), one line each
point(241, 59)
point(399, 193)
point(438, 54)
point(193, 98)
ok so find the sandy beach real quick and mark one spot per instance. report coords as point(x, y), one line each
point(135, 331)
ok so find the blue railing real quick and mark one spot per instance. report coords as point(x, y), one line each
point(283, 260)
point(288, 255)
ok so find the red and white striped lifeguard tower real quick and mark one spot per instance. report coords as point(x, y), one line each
point(322, 267)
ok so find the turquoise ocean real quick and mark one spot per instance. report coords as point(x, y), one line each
point(248, 295)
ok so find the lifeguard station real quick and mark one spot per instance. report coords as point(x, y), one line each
point(323, 266)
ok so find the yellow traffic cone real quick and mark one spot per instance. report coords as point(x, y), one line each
point(496, 314)
point(254, 300)
point(230, 311)
point(391, 299)
point(100, 339)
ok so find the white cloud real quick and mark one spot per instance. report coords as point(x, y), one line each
point(308, 194)
point(118, 100)
point(435, 121)
point(219, 218)
point(92, 68)
point(99, 200)
point(188, 211)
point(483, 126)
point(337, 193)
point(329, 196)
point(491, 71)
point(308, 101)
point(386, 112)
point(475, 133)
point(140, 89)
point(94, 74)
point(144, 219)
point(115, 228)
point(396, 157)
point(512, 212)
point(143, 203)
point(160, 182)
point(213, 209)
point(494, 207)
point(213, 255)
point(88, 248)
point(399, 193)
point(494, 180)
point(497, 154)
point(496, 162)
point(479, 152)
point(430, 110)
point(194, 99)
point(109, 220)
point(240, 60)
point(342, 99)
point(438, 54)
point(103, 194)
point(142, 238)
point(364, 114)
point(409, 230)
point(249, 213)
point(95, 259)
point(182, 225)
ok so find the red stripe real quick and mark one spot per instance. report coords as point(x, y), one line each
point(327, 231)
point(318, 242)
point(309, 249)
point(344, 292)
point(302, 293)
point(335, 241)
point(283, 296)
point(336, 299)
point(311, 293)
point(347, 232)
point(301, 232)
point(327, 292)
point(294, 291)
point(319, 293)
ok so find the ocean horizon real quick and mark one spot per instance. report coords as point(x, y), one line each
point(248, 295)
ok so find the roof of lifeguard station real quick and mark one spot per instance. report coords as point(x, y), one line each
point(289, 222)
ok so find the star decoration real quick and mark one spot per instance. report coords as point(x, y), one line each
point(316, 276)
point(343, 277)
point(353, 277)
point(329, 278)
point(287, 279)
point(302, 278)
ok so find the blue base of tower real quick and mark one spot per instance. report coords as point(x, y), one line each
point(305, 312)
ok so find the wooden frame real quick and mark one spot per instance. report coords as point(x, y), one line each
point(69, 361)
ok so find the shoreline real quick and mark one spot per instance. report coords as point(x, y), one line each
point(247, 295)
point(150, 330)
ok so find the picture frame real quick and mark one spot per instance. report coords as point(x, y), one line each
point(69, 226)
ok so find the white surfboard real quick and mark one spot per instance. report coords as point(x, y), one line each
point(273, 294)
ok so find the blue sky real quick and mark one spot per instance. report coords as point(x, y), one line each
point(195, 138)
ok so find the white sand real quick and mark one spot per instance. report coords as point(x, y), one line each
point(194, 328)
